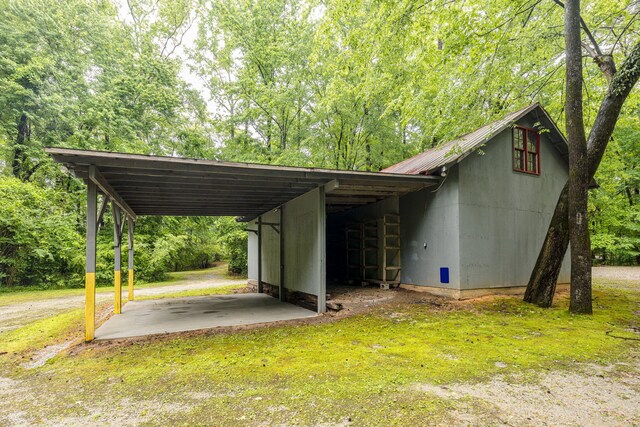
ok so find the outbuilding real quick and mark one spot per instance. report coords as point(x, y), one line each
point(477, 232)
point(463, 219)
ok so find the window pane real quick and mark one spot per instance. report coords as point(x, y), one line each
point(518, 138)
point(532, 163)
point(532, 138)
point(517, 159)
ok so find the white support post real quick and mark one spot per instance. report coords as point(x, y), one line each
point(282, 290)
point(260, 290)
point(322, 251)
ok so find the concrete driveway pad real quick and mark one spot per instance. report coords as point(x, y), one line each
point(150, 317)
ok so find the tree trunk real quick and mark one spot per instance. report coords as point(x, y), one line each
point(578, 189)
point(544, 276)
point(20, 148)
point(542, 284)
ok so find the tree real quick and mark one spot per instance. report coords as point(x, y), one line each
point(541, 286)
point(578, 167)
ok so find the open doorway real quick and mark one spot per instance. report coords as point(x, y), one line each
point(363, 246)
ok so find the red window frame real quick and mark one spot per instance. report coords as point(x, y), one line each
point(521, 156)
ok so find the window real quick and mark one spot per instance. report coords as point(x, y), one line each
point(526, 150)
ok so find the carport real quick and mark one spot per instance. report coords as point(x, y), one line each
point(292, 201)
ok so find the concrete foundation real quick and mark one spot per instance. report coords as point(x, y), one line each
point(161, 316)
point(461, 294)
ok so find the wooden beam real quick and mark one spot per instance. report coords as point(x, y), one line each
point(332, 185)
point(351, 200)
point(200, 193)
point(136, 184)
point(96, 177)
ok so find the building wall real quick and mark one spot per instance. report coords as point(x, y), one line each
point(504, 214)
point(431, 218)
point(270, 250)
point(252, 251)
point(304, 247)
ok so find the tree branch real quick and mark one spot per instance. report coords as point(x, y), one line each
point(604, 61)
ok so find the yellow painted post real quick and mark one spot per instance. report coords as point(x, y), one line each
point(130, 274)
point(90, 266)
point(130, 224)
point(117, 288)
point(90, 306)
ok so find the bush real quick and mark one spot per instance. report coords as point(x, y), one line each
point(233, 238)
point(39, 242)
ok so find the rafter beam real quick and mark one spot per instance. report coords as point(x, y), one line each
point(96, 177)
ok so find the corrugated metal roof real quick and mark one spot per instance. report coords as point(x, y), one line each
point(453, 151)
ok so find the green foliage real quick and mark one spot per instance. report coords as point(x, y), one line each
point(39, 241)
point(614, 207)
point(341, 84)
point(233, 236)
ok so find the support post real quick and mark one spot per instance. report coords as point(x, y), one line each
point(322, 251)
point(90, 263)
point(282, 289)
point(260, 290)
point(117, 265)
point(131, 224)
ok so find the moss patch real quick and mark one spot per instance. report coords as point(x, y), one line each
point(360, 368)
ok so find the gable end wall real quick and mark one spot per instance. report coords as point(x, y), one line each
point(504, 214)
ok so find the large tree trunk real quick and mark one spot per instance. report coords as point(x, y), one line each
point(542, 284)
point(544, 276)
point(578, 189)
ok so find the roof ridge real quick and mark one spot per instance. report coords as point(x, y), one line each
point(433, 157)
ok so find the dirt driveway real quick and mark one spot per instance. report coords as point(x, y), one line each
point(19, 314)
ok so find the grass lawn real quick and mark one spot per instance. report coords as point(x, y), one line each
point(220, 290)
point(365, 368)
point(19, 295)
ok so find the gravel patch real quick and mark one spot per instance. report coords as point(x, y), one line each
point(600, 397)
point(617, 273)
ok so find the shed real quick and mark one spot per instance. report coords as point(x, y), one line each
point(466, 218)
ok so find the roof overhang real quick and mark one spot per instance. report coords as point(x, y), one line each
point(173, 186)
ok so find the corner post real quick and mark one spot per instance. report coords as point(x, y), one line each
point(322, 251)
point(131, 224)
point(117, 265)
point(260, 289)
point(282, 290)
point(90, 263)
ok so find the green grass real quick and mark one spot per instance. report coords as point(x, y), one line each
point(363, 367)
point(21, 295)
point(220, 290)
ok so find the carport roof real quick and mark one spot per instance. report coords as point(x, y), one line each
point(175, 186)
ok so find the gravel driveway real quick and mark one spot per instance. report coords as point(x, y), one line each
point(16, 315)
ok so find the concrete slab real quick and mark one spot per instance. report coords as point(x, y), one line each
point(150, 317)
